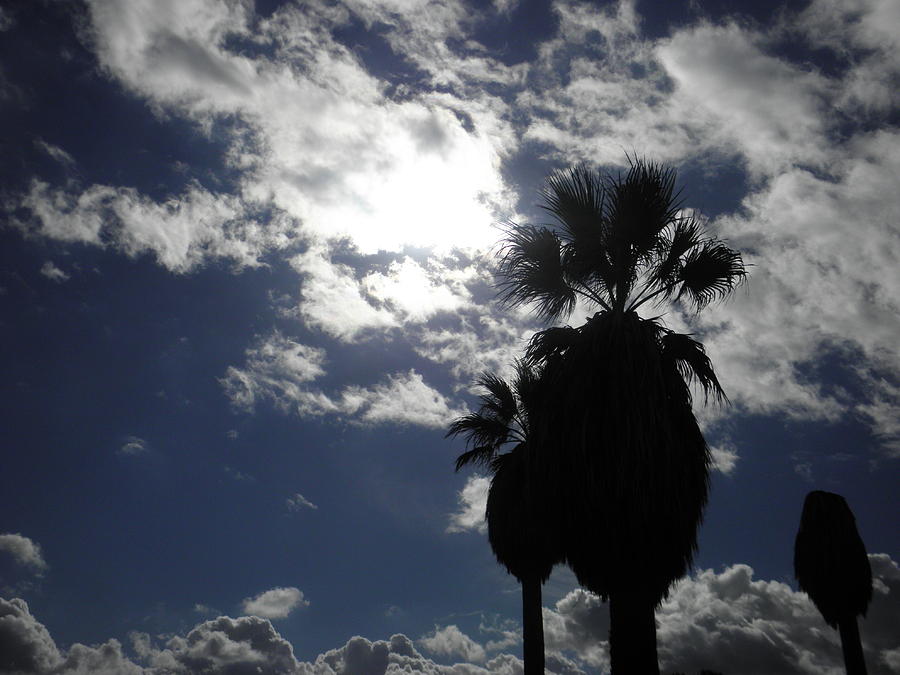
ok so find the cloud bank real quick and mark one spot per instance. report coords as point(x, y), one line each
point(725, 621)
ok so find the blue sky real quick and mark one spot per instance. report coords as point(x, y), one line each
point(246, 282)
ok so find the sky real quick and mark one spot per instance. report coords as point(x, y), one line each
point(246, 280)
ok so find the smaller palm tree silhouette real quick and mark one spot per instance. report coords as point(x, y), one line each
point(517, 518)
point(832, 567)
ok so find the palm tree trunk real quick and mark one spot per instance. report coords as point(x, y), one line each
point(850, 642)
point(632, 635)
point(532, 625)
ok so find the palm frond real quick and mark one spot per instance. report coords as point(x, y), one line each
point(499, 401)
point(531, 271)
point(692, 363)
point(641, 205)
point(575, 197)
point(550, 341)
point(686, 234)
point(480, 429)
point(709, 272)
point(479, 456)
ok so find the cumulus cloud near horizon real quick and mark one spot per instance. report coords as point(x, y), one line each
point(725, 621)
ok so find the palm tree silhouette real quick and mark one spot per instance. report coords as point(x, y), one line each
point(832, 567)
point(616, 446)
point(517, 523)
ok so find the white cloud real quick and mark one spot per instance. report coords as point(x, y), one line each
point(278, 369)
point(133, 446)
point(404, 399)
point(281, 370)
point(579, 624)
point(472, 504)
point(323, 140)
point(247, 644)
point(724, 621)
point(724, 457)
point(729, 622)
point(419, 292)
point(452, 642)
point(480, 342)
point(298, 502)
point(276, 603)
point(52, 272)
point(860, 33)
point(332, 300)
point(24, 551)
point(826, 271)
point(763, 106)
point(29, 649)
point(181, 232)
point(353, 305)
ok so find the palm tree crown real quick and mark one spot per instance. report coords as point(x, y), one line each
point(618, 242)
point(503, 417)
point(518, 529)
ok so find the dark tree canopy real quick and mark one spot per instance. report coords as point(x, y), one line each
point(518, 529)
point(830, 560)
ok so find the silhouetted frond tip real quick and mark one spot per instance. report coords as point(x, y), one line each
point(531, 271)
point(684, 235)
point(576, 198)
point(709, 272)
point(642, 204)
point(692, 363)
point(550, 341)
point(499, 401)
point(479, 456)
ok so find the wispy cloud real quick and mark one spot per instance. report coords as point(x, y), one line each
point(298, 502)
